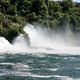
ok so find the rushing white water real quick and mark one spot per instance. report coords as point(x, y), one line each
point(42, 41)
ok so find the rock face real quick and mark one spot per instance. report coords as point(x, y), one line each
point(26, 36)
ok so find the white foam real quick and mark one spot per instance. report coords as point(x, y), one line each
point(39, 38)
point(3, 63)
point(20, 65)
point(42, 41)
point(63, 77)
point(54, 69)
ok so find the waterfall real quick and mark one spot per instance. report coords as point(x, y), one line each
point(41, 40)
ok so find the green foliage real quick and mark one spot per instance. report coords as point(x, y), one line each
point(15, 13)
point(4, 5)
point(28, 6)
point(1, 17)
point(54, 7)
point(13, 2)
point(32, 17)
point(67, 4)
point(40, 8)
point(12, 10)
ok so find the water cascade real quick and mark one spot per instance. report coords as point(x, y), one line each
point(40, 54)
point(42, 41)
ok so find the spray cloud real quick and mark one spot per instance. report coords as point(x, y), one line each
point(42, 40)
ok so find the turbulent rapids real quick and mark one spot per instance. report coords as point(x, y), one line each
point(41, 40)
point(40, 54)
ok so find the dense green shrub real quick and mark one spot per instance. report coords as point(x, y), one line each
point(14, 14)
point(1, 17)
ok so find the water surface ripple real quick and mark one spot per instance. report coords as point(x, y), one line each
point(43, 67)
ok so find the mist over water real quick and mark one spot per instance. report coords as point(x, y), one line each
point(43, 40)
point(60, 42)
point(42, 37)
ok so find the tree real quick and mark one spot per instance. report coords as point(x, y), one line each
point(12, 10)
point(28, 6)
point(32, 17)
point(40, 8)
point(66, 4)
point(47, 2)
point(54, 7)
point(5, 4)
point(13, 2)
